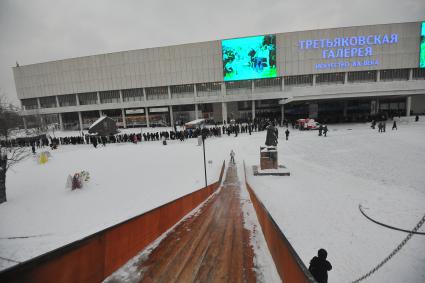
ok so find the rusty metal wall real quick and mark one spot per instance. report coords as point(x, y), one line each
point(95, 257)
point(288, 264)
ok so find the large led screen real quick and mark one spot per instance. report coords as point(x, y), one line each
point(422, 52)
point(249, 58)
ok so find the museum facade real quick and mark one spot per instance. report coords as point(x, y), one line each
point(337, 74)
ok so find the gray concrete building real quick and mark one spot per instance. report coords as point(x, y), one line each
point(338, 74)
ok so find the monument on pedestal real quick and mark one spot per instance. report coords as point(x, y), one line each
point(268, 156)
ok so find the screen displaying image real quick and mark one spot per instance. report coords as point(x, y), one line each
point(422, 52)
point(249, 58)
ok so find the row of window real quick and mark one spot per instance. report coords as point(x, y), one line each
point(214, 88)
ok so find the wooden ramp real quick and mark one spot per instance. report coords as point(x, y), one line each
point(211, 246)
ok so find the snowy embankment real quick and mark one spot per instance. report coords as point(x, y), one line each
point(316, 207)
point(126, 180)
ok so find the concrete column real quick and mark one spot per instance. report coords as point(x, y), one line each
point(195, 90)
point(100, 113)
point(169, 93)
point(223, 89)
point(345, 77)
point(196, 111)
point(121, 99)
point(373, 107)
point(38, 103)
point(146, 114)
point(124, 122)
point(25, 122)
point(378, 75)
point(171, 115)
point(42, 122)
point(345, 109)
point(408, 105)
point(314, 80)
point(282, 114)
point(377, 106)
point(77, 100)
point(60, 121)
point(253, 109)
point(252, 87)
point(313, 109)
point(80, 119)
point(98, 97)
point(144, 95)
point(282, 83)
point(410, 74)
point(224, 112)
point(57, 101)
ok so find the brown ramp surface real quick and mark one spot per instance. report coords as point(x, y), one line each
point(211, 246)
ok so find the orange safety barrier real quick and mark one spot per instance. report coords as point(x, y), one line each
point(287, 262)
point(97, 256)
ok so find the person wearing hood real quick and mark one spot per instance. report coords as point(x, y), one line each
point(319, 266)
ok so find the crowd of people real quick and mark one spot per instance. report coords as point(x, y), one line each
point(233, 128)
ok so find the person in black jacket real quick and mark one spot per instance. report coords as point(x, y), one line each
point(319, 266)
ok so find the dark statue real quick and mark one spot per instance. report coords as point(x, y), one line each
point(272, 134)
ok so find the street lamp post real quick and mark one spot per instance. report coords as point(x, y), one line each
point(204, 136)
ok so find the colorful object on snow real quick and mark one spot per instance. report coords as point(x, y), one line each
point(43, 158)
point(79, 179)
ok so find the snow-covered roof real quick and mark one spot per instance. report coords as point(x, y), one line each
point(97, 121)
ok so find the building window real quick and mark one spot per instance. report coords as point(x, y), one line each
point(268, 85)
point(418, 74)
point(180, 91)
point(301, 80)
point(330, 78)
point(239, 87)
point(156, 93)
point(29, 104)
point(51, 119)
point(67, 100)
point(394, 75)
point(135, 94)
point(362, 76)
point(87, 98)
point(48, 102)
point(208, 89)
point(112, 96)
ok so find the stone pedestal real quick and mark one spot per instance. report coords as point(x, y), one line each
point(268, 163)
point(268, 158)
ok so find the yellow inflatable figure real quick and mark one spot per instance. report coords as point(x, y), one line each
point(43, 158)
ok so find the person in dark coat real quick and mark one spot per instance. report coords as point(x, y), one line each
point(325, 130)
point(320, 130)
point(319, 266)
point(287, 134)
point(394, 125)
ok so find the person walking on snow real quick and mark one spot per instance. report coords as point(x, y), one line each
point(325, 130)
point(287, 134)
point(394, 125)
point(232, 157)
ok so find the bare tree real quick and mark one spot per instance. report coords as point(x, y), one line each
point(9, 155)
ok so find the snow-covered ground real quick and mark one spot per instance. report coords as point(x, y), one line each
point(126, 180)
point(316, 207)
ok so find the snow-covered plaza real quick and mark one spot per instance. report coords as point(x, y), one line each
point(316, 207)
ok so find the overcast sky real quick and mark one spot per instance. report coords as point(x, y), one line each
point(40, 31)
